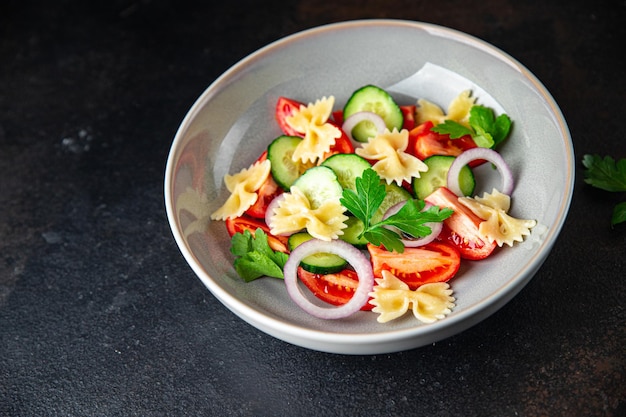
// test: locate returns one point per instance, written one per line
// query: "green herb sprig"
(366, 199)
(486, 129)
(254, 256)
(609, 175)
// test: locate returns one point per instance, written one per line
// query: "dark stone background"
(101, 316)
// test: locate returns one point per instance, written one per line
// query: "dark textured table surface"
(101, 316)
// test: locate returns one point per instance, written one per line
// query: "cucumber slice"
(348, 167)
(395, 195)
(319, 184)
(319, 263)
(284, 170)
(373, 99)
(436, 176)
(352, 232)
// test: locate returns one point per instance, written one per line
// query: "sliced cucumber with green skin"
(395, 194)
(437, 174)
(352, 232)
(284, 170)
(348, 167)
(319, 263)
(319, 184)
(376, 100)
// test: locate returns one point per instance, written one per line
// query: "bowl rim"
(381, 341)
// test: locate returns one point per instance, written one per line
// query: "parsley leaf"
(605, 173)
(609, 175)
(452, 128)
(255, 257)
(369, 195)
(486, 130)
(388, 238)
(410, 219)
(619, 213)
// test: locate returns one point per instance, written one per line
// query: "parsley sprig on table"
(410, 219)
(486, 129)
(609, 175)
(255, 257)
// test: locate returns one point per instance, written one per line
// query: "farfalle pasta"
(392, 162)
(294, 213)
(392, 298)
(243, 187)
(319, 135)
(498, 226)
(458, 110)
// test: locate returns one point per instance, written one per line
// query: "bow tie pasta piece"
(498, 226)
(319, 135)
(458, 110)
(294, 213)
(393, 163)
(243, 187)
(392, 298)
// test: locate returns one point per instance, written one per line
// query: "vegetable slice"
(479, 154)
(348, 167)
(284, 170)
(437, 176)
(319, 263)
(434, 262)
(319, 184)
(352, 255)
(461, 228)
(363, 116)
(335, 289)
(285, 107)
(373, 99)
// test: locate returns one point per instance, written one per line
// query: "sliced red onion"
(474, 154)
(354, 256)
(435, 227)
(358, 117)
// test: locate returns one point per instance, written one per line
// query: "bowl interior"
(232, 122)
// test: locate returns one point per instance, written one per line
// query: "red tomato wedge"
(461, 229)
(426, 143)
(336, 289)
(434, 262)
(338, 117)
(342, 145)
(268, 191)
(408, 111)
(284, 108)
(239, 224)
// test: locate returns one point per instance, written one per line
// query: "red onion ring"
(474, 154)
(354, 256)
(358, 117)
(435, 227)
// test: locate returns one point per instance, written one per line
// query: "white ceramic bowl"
(232, 122)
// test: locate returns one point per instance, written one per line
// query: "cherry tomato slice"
(434, 262)
(461, 228)
(426, 143)
(342, 145)
(336, 289)
(408, 111)
(268, 191)
(285, 108)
